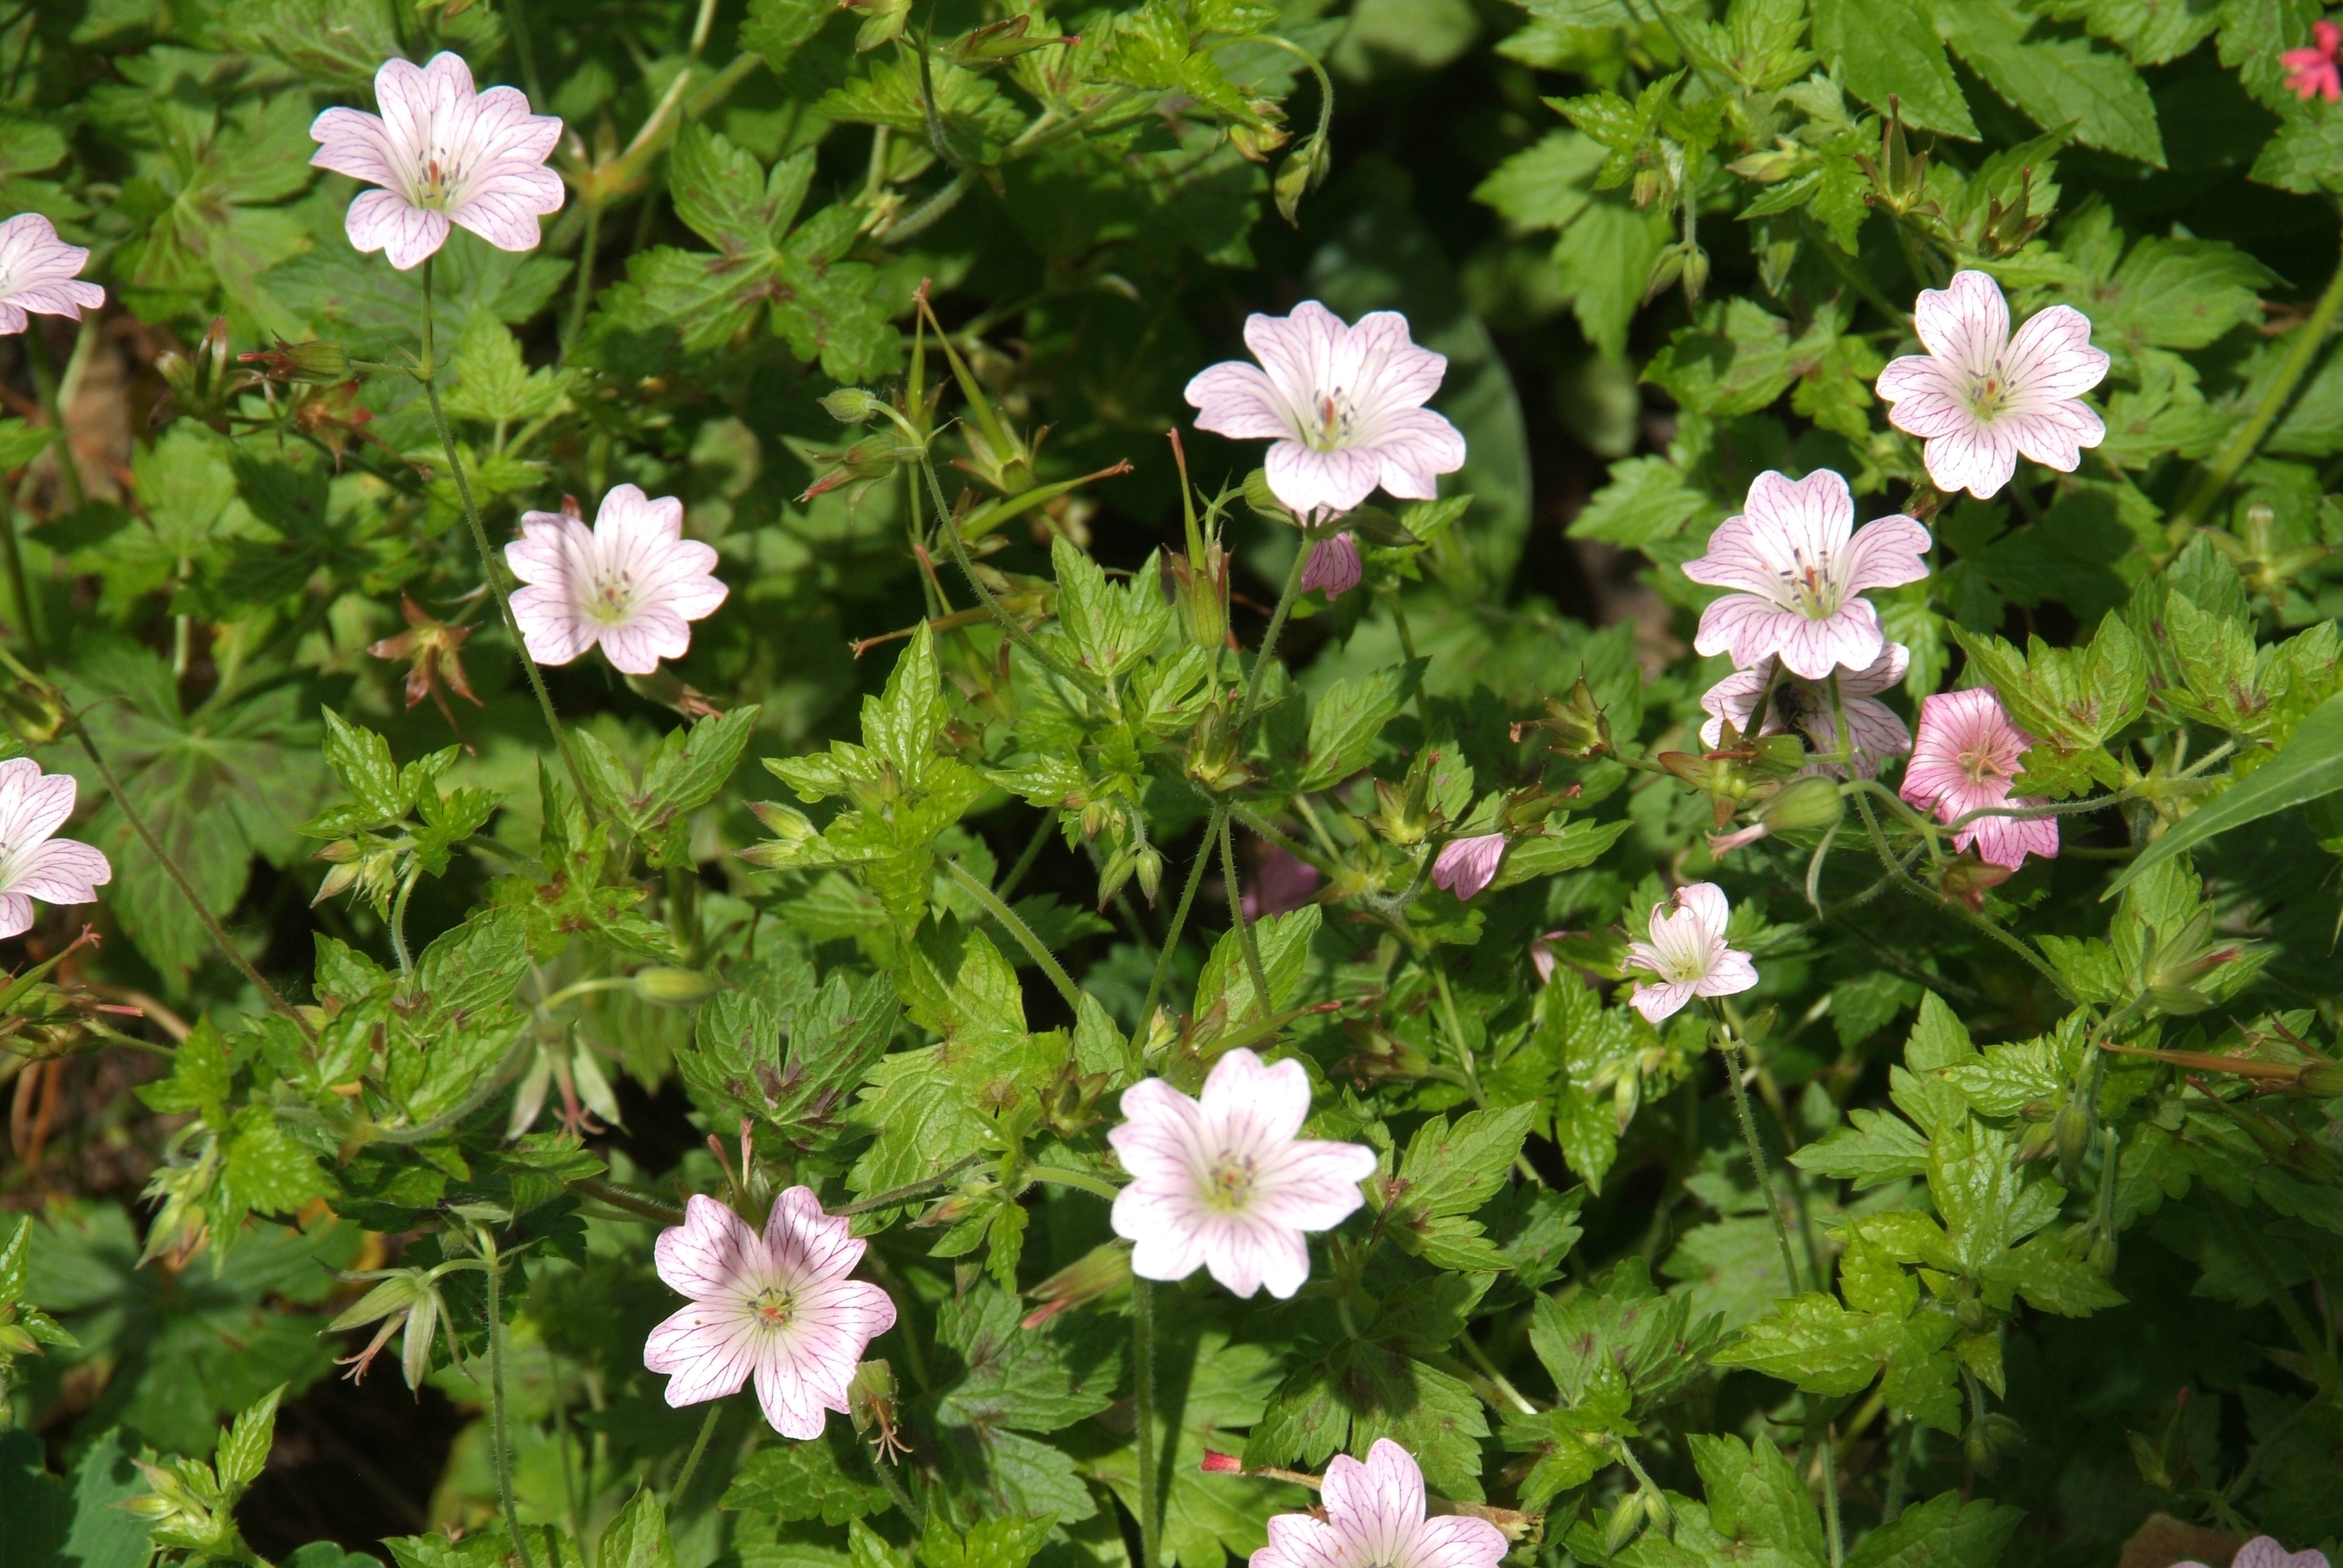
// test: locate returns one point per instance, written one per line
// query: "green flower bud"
(664, 986)
(1810, 802)
(852, 404)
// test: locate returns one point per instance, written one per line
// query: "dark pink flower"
(1465, 866)
(2312, 72)
(1282, 884)
(1963, 761)
(1334, 567)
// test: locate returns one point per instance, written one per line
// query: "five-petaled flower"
(2312, 72)
(777, 1308)
(1344, 405)
(33, 863)
(40, 273)
(1334, 566)
(633, 583)
(1375, 1518)
(1223, 1182)
(1967, 753)
(1980, 398)
(1878, 733)
(1798, 566)
(1465, 866)
(440, 153)
(1688, 954)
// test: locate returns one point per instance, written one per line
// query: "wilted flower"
(1798, 566)
(1283, 883)
(40, 273)
(1334, 566)
(1967, 754)
(1980, 398)
(441, 152)
(777, 1307)
(1878, 733)
(1344, 406)
(1222, 1183)
(2312, 74)
(1688, 954)
(1465, 866)
(633, 584)
(33, 864)
(434, 652)
(1375, 1518)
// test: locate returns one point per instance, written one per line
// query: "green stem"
(1245, 941)
(1456, 1032)
(1732, 1049)
(2308, 341)
(949, 529)
(1142, 1350)
(699, 1446)
(614, 1197)
(399, 924)
(1031, 853)
(909, 1190)
(28, 609)
(902, 1499)
(491, 563)
(1830, 1496)
(499, 1432)
(1081, 1180)
(570, 1505)
(1949, 905)
(1180, 915)
(275, 997)
(1015, 926)
(1269, 638)
(585, 276)
(1899, 1472)
(45, 382)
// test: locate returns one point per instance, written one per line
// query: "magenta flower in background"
(1465, 866)
(633, 583)
(1222, 1183)
(1879, 734)
(2264, 1550)
(40, 273)
(1967, 754)
(1344, 405)
(1797, 565)
(1687, 953)
(2312, 74)
(1375, 1518)
(777, 1308)
(1281, 884)
(33, 862)
(1334, 567)
(441, 152)
(1981, 398)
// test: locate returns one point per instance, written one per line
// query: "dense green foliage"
(937, 839)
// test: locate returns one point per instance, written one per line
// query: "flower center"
(773, 1306)
(612, 601)
(1683, 954)
(436, 185)
(1228, 1184)
(1988, 395)
(1983, 764)
(1810, 588)
(1332, 432)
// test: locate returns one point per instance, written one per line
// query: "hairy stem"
(1012, 922)
(1245, 941)
(699, 1446)
(1180, 914)
(1269, 638)
(1733, 1052)
(2310, 337)
(1143, 1349)
(1951, 906)
(28, 609)
(501, 1433)
(398, 923)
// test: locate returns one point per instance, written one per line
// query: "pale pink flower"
(1375, 1518)
(2264, 1550)
(1334, 566)
(1981, 398)
(1282, 884)
(1965, 756)
(1878, 733)
(1223, 1183)
(441, 154)
(1344, 406)
(1542, 954)
(41, 272)
(1688, 954)
(1465, 866)
(32, 863)
(633, 584)
(1798, 567)
(2312, 74)
(777, 1307)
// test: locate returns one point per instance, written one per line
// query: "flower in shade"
(1223, 1182)
(1334, 566)
(1283, 883)
(777, 1308)
(1688, 954)
(1465, 866)
(440, 153)
(1805, 705)
(1374, 1517)
(1980, 398)
(1344, 405)
(1963, 761)
(32, 863)
(1797, 566)
(632, 583)
(40, 273)
(2312, 74)
(2264, 1550)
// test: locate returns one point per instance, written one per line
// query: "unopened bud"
(851, 405)
(1101, 1272)
(2073, 1137)
(1304, 171)
(1149, 864)
(2323, 1079)
(320, 363)
(1627, 1522)
(1811, 802)
(1990, 1440)
(663, 985)
(1769, 166)
(1219, 1464)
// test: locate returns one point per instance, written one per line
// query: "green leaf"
(2153, 31)
(244, 1450)
(2308, 766)
(1605, 259)
(1876, 1146)
(1450, 1170)
(1284, 944)
(1547, 186)
(988, 1543)
(492, 383)
(1757, 1501)
(2057, 81)
(1816, 1343)
(1028, 1380)
(1347, 718)
(1647, 500)
(1943, 1530)
(638, 1537)
(1888, 49)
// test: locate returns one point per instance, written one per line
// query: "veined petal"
(1978, 459)
(1305, 480)
(2052, 356)
(1966, 324)
(1887, 552)
(1658, 1003)
(1274, 1100)
(62, 871)
(407, 235)
(1237, 400)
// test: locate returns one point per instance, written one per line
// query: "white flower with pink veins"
(1879, 734)
(633, 583)
(1375, 1518)
(1223, 1182)
(41, 272)
(1967, 756)
(1687, 953)
(1798, 567)
(777, 1308)
(1344, 405)
(1981, 398)
(441, 154)
(33, 862)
